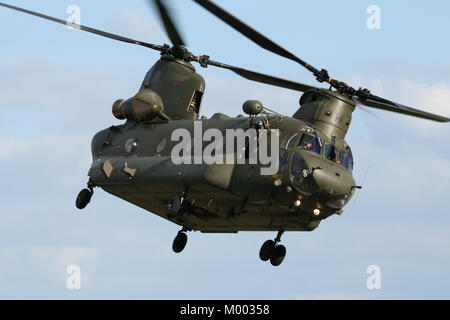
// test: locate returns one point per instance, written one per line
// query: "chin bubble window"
(284, 158)
(310, 143)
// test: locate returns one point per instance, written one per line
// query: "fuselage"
(134, 161)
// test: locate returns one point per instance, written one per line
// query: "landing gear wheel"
(266, 250)
(278, 255)
(184, 212)
(179, 242)
(173, 207)
(83, 198)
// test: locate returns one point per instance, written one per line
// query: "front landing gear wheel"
(267, 250)
(179, 242)
(278, 255)
(83, 198)
(271, 250)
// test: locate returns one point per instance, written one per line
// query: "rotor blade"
(363, 107)
(263, 78)
(252, 34)
(170, 27)
(380, 103)
(84, 28)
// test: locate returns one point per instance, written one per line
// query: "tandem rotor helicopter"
(314, 179)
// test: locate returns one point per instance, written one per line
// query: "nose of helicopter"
(314, 174)
(333, 181)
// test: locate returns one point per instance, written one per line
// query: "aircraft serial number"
(250, 309)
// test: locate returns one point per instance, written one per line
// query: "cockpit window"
(346, 159)
(330, 152)
(310, 143)
(288, 141)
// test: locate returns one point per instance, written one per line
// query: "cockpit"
(311, 142)
(303, 157)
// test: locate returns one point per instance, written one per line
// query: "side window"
(310, 143)
(330, 152)
(346, 159)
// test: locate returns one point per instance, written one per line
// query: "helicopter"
(313, 180)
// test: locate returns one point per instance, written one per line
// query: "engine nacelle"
(145, 105)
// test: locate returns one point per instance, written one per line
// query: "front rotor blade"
(363, 107)
(252, 34)
(84, 28)
(169, 25)
(264, 78)
(380, 103)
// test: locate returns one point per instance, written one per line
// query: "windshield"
(310, 143)
(346, 159)
(288, 141)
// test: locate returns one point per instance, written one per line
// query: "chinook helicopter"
(314, 181)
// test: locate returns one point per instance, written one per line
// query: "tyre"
(179, 242)
(83, 198)
(267, 250)
(184, 212)
(173, 207)
(278, 255)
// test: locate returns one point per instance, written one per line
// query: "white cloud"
(432, 97)
(11, 146)
(52, 262)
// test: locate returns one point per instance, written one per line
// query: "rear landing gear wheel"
(173, 207)
(278, 255)
(266, 251)
(83, 198)
(178, 208)
(184, 212)
(179, 242)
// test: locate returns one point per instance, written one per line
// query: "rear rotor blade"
(380, 103)
(169, 25)
(85, 28)
(267, 79)
(252, 34)
(253, 75)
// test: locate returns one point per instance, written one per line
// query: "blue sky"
(56, 91)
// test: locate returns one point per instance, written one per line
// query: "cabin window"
(346, 159)
(131, 145)
(161, 145)
(329, 152)
(310, 143)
